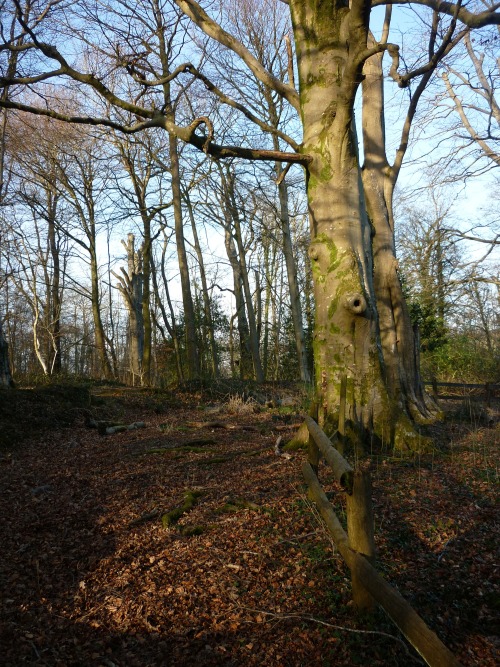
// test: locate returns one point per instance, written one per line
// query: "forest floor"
(94, 571)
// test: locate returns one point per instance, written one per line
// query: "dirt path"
(90, 575)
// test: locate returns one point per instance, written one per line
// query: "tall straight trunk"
(230, 202)
(100, 337)
(291, 272)
(5, 371)
(269, 274)
(130, 286)
(245, 360)
(5, 367)
(278, 314)
(55, 298)
(205, 293)
(112, 332)
(193, 361)
(171, 327)
(397, 337)
(165, 46)
(291, 269)
(146, 299)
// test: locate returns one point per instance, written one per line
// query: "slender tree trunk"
(252, 324)
(205, 293)
(171, 327)
(146, 299)
(187, 298)
(396, 330)
(100, 338)
(5, 372)
(268, 272)
(291, 272)
(245, 360)
(55, 300)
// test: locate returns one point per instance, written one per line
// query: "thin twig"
(306, 617)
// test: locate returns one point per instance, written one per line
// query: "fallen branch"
(343, 628)
(232, 455)
(227, 427)
(173, 516)
(109, 428)
(124, 427)
(148, 516)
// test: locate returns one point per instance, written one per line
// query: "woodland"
(219, 221)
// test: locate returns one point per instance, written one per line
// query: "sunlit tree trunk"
(329, 39)
(130, 286)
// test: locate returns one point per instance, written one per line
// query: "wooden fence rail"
(488, 390)
(357, 548)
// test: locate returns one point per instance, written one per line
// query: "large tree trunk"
(330, 41)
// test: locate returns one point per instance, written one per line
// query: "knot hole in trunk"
(355, 303)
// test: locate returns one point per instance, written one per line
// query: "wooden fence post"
(360, 533)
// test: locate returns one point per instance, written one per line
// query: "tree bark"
(351, 277)
(329, 38)
(244, 362)
(397, 339)
(130, 286)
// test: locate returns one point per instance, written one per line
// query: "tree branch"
(470, 19)
(193, 10)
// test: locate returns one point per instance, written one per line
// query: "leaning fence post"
(360, 533)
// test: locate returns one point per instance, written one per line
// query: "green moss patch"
(172, 517)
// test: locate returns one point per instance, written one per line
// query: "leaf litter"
(91, 575)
